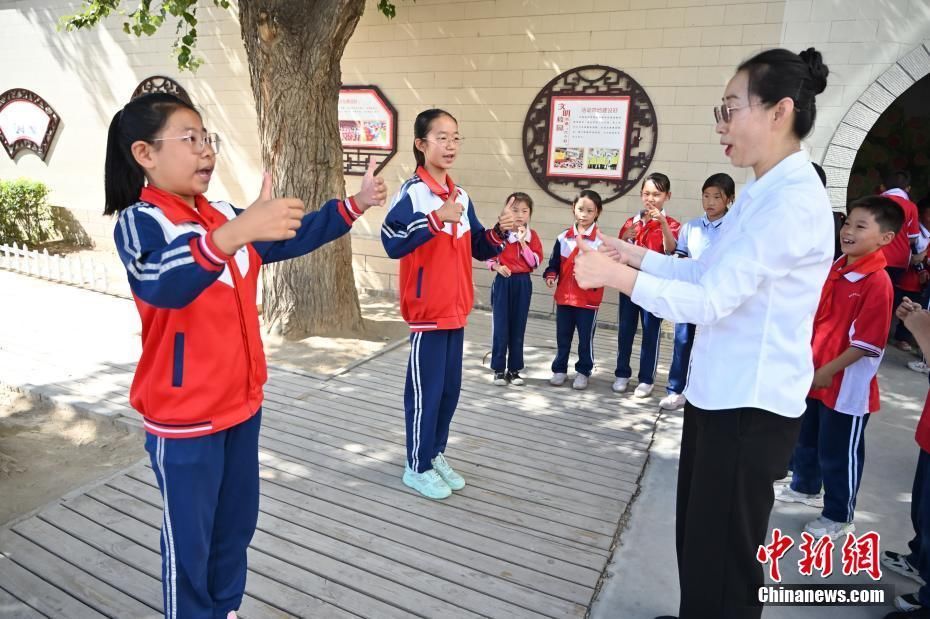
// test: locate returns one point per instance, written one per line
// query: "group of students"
(193, 267)
(576, 308)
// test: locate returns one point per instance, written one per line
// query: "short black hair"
(723, 182)
(661, 181)
(888, 214)
(519, 196)
(898, 179)
(591, 195)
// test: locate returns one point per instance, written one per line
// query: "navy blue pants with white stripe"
(830, 453)
(920, 518)
(209, 488)
(630, 314)
(510, 301)
(434, 380)
(567, 320)
(681, 358)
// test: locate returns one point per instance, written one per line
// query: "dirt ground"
(47, 452)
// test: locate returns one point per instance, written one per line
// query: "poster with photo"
(365, 121)
(588, 136)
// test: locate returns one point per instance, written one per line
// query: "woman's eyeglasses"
(198, 143)
(723, 113)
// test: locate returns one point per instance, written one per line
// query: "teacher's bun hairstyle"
(776, 74)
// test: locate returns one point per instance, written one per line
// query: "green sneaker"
(452, 479)
(428, 483)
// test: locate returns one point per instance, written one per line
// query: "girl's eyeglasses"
(198, 143)
(723, 113)
(446, 141)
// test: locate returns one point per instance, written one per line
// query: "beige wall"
(484, 61)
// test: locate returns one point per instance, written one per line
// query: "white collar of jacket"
(512, 236)
(716, 224)
(783, 168)
(897, 192)
(590, 233)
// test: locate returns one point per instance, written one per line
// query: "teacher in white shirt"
(753, 296)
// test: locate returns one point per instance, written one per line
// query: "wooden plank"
(13, 608)
(146, 538)
(302, 452)
(129, 581)
(39, 594)
(386, 459)
(478, 475)
(277, 573)
(387, 538)
(87, 588)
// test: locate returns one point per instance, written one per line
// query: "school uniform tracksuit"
(436, 297)
(576, 308)
(198, 384)
(854, 311)
(649, 235)
(510, 301)
(919, 557)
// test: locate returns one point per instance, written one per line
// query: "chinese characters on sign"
(365, 121)
(588, 136)
(858, 554)
(26, 122)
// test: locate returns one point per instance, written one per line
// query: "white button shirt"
(697, 235)
(753, 293)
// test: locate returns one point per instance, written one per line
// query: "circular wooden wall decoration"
(160, 83)
(592, 127)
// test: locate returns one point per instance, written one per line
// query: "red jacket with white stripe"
(203, 366)
(515, 258)
(562, 267)
(436, 290)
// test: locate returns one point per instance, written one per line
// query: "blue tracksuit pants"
(567, 320)
(209, 489)
(510, 302)
(681, 358)
(431, 393)
(830, 452)
(630, 314)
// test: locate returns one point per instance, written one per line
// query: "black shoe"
(516, 379)
(500, 379)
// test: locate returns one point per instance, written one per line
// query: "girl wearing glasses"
(654, 230)
(193, 269)
(432, 228)
(752, 295)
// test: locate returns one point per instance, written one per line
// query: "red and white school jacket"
(854, 311)
(517, 259)
(203, 366)
(562, 266)
(436, 290)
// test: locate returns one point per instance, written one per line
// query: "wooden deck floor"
(550, 472)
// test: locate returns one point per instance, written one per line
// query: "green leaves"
(146, 20)
(25, 216)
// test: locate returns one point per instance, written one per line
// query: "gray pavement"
(642, 580)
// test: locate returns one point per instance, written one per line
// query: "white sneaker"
(787, 495)
(620, 385)
(785, 481)
(919, 366)
(672, 402)
(824, 526)
(558, 379)
(581, 382)
(643, 390)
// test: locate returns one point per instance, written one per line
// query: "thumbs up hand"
(373, 191)
(592, 268)
(267, 219)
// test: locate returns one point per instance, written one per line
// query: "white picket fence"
(75, 270)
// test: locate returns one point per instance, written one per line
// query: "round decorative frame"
(355, 158)
(160, 83)
(592, 81)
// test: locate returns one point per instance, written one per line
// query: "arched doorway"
(869, 111)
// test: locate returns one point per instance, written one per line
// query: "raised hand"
(593, 269)
(506, 219)
(266, 219)
(373, 191)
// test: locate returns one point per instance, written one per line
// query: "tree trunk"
(294, 49)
